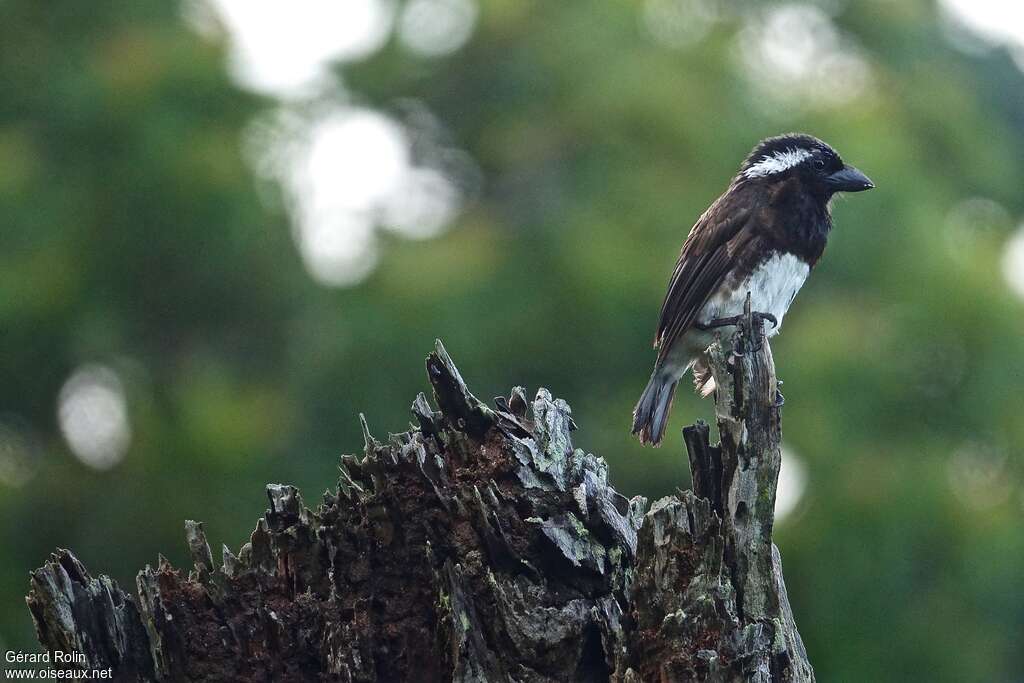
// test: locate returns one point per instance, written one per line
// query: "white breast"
(772, 287)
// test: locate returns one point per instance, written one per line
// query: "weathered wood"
(709, 595)
(481, 545)
(73, 612)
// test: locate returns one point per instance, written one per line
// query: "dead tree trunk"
(708, 595)
(478, 546)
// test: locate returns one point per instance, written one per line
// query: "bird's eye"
(819, 163)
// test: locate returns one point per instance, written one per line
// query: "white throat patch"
(777, 162)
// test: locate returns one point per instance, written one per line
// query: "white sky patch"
(433, 28)
(792, 483)
(423, 206)
(92, 411)
(356, 159)
(353, 161)
(1013, 263)
(777, 162)
(346, 173)
(286, 48)
(339, 249)
(794, 56)
(999, 22)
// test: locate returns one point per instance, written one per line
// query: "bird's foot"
(780, 400)
(751, 324)
(760, 319)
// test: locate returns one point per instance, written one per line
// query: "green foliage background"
(134, 234)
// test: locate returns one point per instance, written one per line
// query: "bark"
(480, 545)
(708, 594)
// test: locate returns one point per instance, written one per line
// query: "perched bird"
(762, 236)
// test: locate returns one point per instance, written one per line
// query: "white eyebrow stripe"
(777, 163)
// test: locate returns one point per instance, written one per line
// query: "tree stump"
(480, 545)
(708, 594)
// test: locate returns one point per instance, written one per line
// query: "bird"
(763, 235)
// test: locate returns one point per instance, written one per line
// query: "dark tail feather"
(651, 413)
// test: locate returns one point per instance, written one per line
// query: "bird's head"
(815, 164)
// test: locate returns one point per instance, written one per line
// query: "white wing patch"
(777, 162)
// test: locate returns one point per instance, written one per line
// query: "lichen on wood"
(709, 597)
(480, 545)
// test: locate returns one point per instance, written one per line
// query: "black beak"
(848, 179)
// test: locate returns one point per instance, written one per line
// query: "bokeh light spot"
(432, 28)
(347, 172)
(1013, 263)
(355, 159)
(995, 20)
(794, 56)
(285, 48)
(423, 205)
(679, 23)
(972, 221)
(338, 249)
(792, 483)
(92, 412)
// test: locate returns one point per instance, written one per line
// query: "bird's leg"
(718, 322)
(756, 316)
(747, 320)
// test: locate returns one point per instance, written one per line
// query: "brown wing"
(722, 233)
